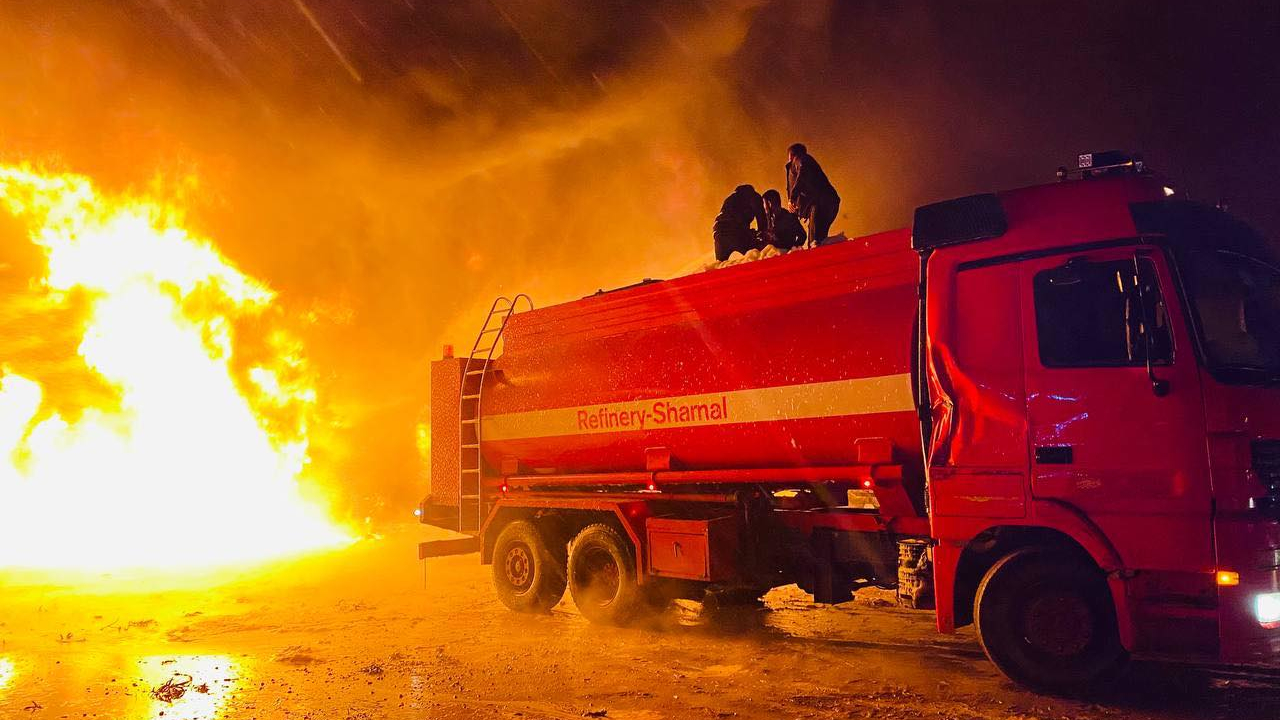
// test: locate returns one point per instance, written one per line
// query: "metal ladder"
(469, 462)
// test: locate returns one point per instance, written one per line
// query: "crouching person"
(782, 229)
(732, 230)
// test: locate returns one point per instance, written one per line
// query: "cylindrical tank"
(782, 362)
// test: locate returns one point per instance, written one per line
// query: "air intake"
(962, 220)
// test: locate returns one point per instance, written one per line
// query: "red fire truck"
(1052, 412)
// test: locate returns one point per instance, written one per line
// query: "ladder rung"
(469, 446)
(471, 397)
(477, 372)
(472, 422)
(470, 470)
(486, 331)
(470, 497)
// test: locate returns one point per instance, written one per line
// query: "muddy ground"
(364, 633)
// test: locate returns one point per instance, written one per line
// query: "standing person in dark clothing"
(810, 193)
(781, 228)
(732, 230)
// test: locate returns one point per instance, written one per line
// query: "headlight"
(1267, 608)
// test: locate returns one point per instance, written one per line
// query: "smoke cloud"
(389, 167)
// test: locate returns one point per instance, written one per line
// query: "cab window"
(1101, 314)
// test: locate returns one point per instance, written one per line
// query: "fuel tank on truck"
(778, 363)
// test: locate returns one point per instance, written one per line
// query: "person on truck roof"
(782, 228)
(811, 195)
(732, 229)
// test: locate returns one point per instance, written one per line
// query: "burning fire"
(195, 463)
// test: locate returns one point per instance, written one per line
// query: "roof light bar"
(1110, 162)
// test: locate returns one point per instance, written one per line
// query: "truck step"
(452, 546)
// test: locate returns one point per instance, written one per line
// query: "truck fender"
(1048, 516)
(1071, 520)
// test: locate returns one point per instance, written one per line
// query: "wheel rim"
(598, 576)
(1058, 623)
(518, 566)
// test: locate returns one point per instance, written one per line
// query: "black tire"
(602, 577)
(526, 574)
(1047, 621)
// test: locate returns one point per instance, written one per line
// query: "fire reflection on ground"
(7, 671)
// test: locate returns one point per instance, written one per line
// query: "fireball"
(188, 463)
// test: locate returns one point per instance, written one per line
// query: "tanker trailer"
(729, 431)
(999, 412)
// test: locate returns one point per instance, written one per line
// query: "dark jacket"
(732, 229)
(782, 230)
(808, 186)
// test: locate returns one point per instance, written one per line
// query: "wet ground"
(364, 633)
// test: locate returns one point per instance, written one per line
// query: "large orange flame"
(185, 470)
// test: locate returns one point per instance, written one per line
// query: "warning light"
(653, 487)
(448, 351)
(503, 488)
(1227, 578)
(417, 512)
(1169, 192)
(866, 484)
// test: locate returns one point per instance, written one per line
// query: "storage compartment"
(692, 549)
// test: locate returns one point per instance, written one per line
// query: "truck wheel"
(602, 576)
(525, 573)
(1047, 621)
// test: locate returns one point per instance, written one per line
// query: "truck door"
(1114, 437)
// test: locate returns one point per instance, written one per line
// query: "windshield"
(1232, 278)
(1236, 299)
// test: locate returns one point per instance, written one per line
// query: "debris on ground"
(33, 707)
(372, 669)
(173, 688)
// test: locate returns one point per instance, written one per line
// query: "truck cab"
(1102, 382)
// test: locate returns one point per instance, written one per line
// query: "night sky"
(390, 166)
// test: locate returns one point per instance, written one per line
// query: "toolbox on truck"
(692, 549)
